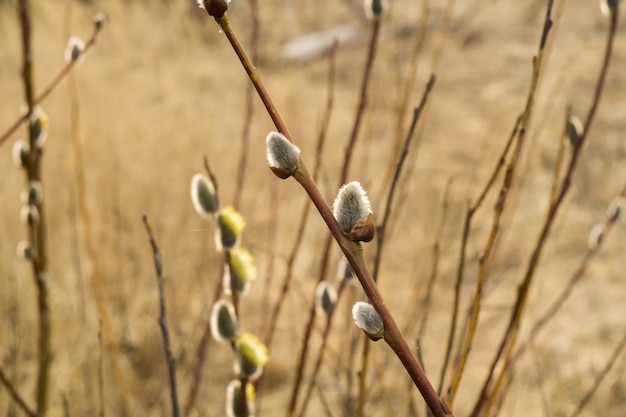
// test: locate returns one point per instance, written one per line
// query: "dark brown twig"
(169, 358)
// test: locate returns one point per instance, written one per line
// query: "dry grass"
(162, 88)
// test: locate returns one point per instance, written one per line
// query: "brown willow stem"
(471, 210)
(511, 333)
(299, 236)
(169, 358)
(254, 75)
(556, 305)
(592, 390)
(500, 204)
(52, 85)
(36, 228)
(362, 104)
(351, 250)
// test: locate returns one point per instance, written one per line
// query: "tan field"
(162, 88)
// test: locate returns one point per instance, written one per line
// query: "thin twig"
(299, 235)
(471, 210)
(352, 250)
(578, 274)
(362, 104)
(499, 207)
(52, 85)
(15, 395)
(596, 384)
(510, 336)
(169, 358)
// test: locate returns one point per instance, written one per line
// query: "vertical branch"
(500, 204)
(36, 229)
(169, 358)
(511, 333)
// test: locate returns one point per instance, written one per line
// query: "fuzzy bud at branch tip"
(282, 156)
(215, 8)
(574, 130)
(203, 195)
(74, 49)
(367, 319)
(609, 7)
(375, 9)
(352, 211)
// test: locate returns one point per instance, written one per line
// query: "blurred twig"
(169, 358)
(52, 85)
(15, 395)
(592, 390)
(510, 336)
(499, 207)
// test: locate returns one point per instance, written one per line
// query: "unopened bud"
(38, 126)
(99, 19)
(375, 9)
(608, 7)
(223, 321)
(203, 195)
(21, 150)
(344, 270)
(234, 400)
(367, 319)
(33, 195)
(215, 8)
(24, 249)
(574, 130)
(282, 156)
(230, 226)
(74, 49)
(241, 273)
(30, 215)
(325, 298)
(353, 213)
(616, 206)
(596, 235)
(252, 355)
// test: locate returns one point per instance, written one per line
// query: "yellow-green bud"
(242, 270)
(252, 355)
(234, 399)
(230, 226)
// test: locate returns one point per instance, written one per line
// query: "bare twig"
(15, 395)
(499, 207)
(596, 384)
(511, 333)
(169, 358)
(51, 86)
